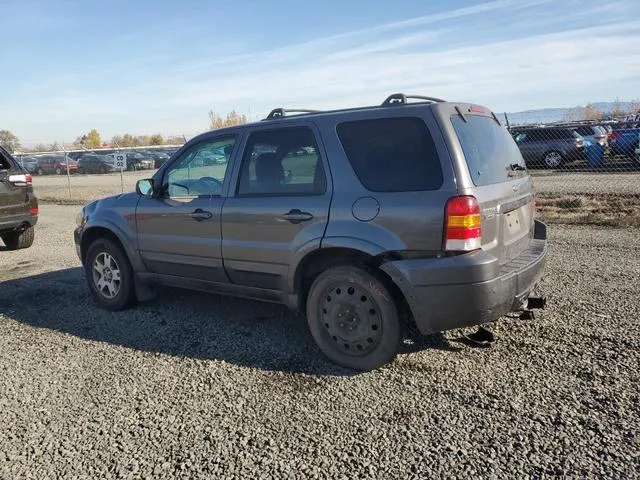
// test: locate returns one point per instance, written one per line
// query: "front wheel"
(109, 275)
(552, 159)
(353, 318)
(58, 171)
(19, 240)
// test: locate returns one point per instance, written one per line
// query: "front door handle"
(198, 215)
(296, 216)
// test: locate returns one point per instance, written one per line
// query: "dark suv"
(18, 204)
(550, 147)
(365, 219)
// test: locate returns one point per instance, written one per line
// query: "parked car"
(18, 204)
(411, 210)
(139, 161)
(56, 164)
(159, 157)
(624, 142)
(29, 163)
(96, 164)
(594, 134)
(550, 147)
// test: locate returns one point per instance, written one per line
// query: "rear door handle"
(198, 215)
(296, 216)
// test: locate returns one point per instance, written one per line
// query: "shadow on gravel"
(179, 323)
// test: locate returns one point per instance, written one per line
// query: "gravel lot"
(191, 385)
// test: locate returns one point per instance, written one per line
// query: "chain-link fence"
(584, 172)
(77, 176)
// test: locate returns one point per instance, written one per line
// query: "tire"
(19, 240)
(353, 318)
(40, 171)
(103, 169)
(553, 159)
(58, 171)
(110, 294)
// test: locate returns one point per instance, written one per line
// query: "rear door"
(13, 198)
(280, 205)
(499, 181)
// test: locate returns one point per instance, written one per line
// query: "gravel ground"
(192, 386)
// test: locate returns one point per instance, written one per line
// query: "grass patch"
(603, 209)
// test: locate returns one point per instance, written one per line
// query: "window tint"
(392, 154)
(199, 171)
(282, 162)
(490, 152)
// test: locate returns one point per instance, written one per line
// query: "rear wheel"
(353, 318)
(19, 240)
(552, 159)
(40, 171)
(58, 171)
(109, 275)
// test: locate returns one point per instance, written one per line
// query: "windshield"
(490, 151)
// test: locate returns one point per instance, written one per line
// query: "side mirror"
(145, 187)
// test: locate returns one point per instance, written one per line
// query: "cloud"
(499, 53)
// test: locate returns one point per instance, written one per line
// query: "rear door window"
(392, 154)
(490, 151)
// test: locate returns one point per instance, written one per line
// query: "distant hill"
(548, 115)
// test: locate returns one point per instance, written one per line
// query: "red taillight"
(462, 230)
(33, 211)
(476, 109)
(29, 179)
(614, 136)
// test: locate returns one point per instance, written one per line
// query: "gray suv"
(368, 220)
(550, 147)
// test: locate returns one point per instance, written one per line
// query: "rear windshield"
(392, 154)
(491, 153)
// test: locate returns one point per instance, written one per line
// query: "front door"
(179, 231)
(280, 204)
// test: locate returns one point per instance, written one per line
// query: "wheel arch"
(320, 260)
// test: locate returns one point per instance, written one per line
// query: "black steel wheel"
(353, 318)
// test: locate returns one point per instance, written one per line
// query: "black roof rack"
(401, 99)
(282, 112)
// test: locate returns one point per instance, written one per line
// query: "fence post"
(66, 162)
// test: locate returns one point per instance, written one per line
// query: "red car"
(56, 164)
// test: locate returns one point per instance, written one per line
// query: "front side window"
(282, 161)
(201, 170)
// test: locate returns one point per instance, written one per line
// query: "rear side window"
(392, 154)
(490, 151)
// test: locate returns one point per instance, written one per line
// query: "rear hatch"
(493, 171)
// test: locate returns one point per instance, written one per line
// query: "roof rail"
(282, 112)
(401, 99)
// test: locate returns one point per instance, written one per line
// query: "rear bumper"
(471, 289)
(17, 222)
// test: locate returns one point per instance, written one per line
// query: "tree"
(634, 107)
(235, 118)
(591, 113)
(9, 141)
(93, 139)
(573, 114)
(617, 111)
(215, 121)
(232, 118)
(156, 139)
(127, 140)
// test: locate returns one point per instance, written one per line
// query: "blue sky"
(143, 66)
